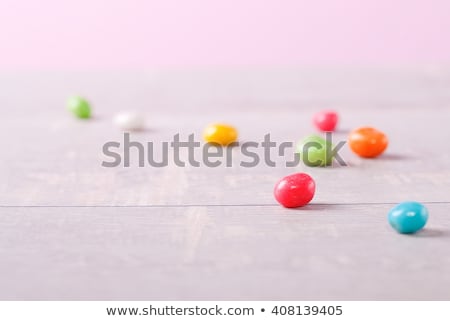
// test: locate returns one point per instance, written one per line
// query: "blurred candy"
(129, 121)
(367, 142)
(79, 106)
(295, 190)
(315, 151)
(326, 120)
(221, 134)
(408, 217)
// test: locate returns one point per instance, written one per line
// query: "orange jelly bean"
(221, 134)
(367, 142)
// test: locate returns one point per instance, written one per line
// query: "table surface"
(74, 230)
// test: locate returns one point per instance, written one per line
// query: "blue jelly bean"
(408, 217)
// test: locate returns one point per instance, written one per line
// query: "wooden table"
(72, 229)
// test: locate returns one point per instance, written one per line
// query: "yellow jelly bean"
(221, 134)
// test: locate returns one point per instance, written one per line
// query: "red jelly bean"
(326, 120)
(295, 190)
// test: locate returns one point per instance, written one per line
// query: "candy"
(408, 217)
(315, 151)
(129, 121)
(79, 106)
(326, 120)
(367, 142)
(295, 190)
(221, 134)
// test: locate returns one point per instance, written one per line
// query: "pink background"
(96, 34)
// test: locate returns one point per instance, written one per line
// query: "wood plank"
(221, 253)
(58, 162)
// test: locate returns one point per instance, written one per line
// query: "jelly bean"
(129, 121)
(367, 142)
(408, 217)
(326, 120)
(315, 151)
(79, 106)
(295, 190)
(221, 134)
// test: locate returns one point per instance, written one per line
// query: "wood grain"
(72, 229)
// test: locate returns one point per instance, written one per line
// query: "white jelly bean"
(129, 121)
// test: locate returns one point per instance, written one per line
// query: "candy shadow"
(92, 118)
(341, 131)
(146, 130)
(432, 232)
(315, 207)
(141, 131)
(395, 157)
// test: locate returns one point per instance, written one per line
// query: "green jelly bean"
(315, 151)
(79, 106)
